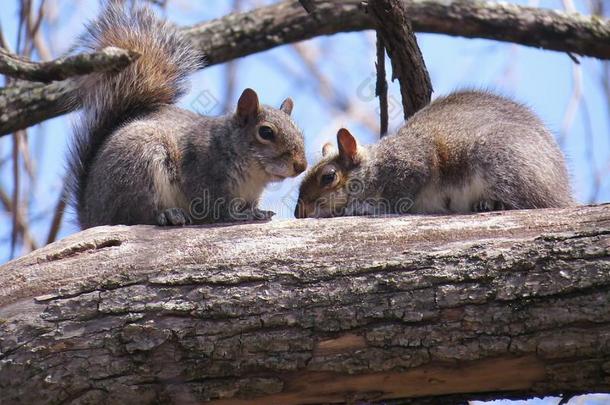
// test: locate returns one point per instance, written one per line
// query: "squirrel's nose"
(300, 166)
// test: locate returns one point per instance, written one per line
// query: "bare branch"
(287, 22)
(239, 35)
(27, 104)
(408, 64)
(381, 87)
(16, 192)
(22, 224)
(58, 214)
(342, 107)
(107, 59)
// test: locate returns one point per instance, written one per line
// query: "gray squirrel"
(139, 159)
(468, 152)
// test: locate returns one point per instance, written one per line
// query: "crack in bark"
(85, 247)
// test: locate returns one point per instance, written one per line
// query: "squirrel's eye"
(266, 133)
(328, 178)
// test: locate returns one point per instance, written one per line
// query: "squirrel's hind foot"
(173, 217)
(486, 205)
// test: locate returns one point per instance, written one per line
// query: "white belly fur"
(250, 189)
(435, 199)
(169, 194)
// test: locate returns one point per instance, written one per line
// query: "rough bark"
(107, 59)
(313, 311)
(408, 65)
(239, 35)
(27, 104)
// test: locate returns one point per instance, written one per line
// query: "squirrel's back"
(482, 143)
(113, 99)
(470, 151)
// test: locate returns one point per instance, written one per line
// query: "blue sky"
(541, 79)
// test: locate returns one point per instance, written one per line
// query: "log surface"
(312, 311)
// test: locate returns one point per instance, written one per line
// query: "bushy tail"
(111, 99)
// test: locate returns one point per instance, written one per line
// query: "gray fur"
(485, 135)
(138, 159)
(470, 151)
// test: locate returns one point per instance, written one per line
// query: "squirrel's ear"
(248, 106)
(287, 106)
(348, 147)
(327, 149)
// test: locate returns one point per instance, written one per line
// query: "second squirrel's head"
(328, 186)
(276, 143)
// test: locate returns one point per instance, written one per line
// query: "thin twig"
(381, 87)
(326, 89)
(22, 18)
(27, 236)
(16, 190)
(24, 148)
(3, 42)
(37, 40)
(58, 214)
(590, 153)
(573, 104)
(408, 65)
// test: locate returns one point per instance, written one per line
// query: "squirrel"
(137, 158)
(470, 151)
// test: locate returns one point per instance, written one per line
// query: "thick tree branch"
(288, 22)
(26, 104)
(107, 59)
(407, 61)
(239, 35)
(509, 304)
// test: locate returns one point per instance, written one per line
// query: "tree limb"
(407, 61)
(509, 304)
(26, 104)
(107, 59)
(239, 35)
(286, 22)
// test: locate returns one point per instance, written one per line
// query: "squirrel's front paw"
(263, 215)
(173, 217)
(254, 214)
